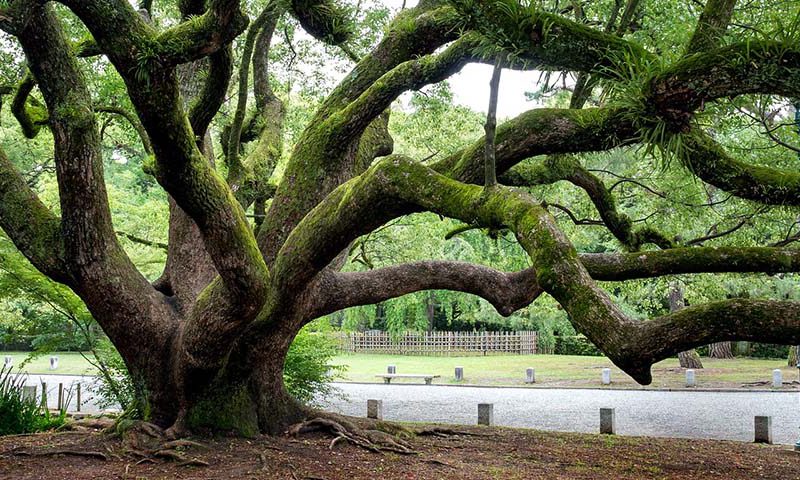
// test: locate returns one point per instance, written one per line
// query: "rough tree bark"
(208, 340)
(721, 350)
(689, 358)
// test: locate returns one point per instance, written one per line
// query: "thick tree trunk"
(250, 396)
(720, 350)
(689, 358)
(793, 357)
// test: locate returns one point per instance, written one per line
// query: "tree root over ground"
(74, 453)
(148, 442)
(375, 436)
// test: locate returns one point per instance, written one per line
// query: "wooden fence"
(439, 343)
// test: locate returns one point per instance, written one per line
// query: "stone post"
(375, 409)
(530, 375)
(777, 378)
(391, 369)
(8, 361)
(29, 393)
(53, 363)
(763, 430)
(606, 377)
(608, 421)
(690, 379)
(486, 414)
(459, 374)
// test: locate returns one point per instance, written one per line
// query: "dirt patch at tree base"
(488, 453)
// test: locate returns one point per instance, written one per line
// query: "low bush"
(576, 345)
(307, 371)
(18, 415)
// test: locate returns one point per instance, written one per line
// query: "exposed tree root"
(75, 453)
(344, 430)
(446, 432)
(148, 442)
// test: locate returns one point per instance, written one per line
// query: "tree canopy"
(270, 155)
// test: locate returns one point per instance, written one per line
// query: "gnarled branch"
(507, 292)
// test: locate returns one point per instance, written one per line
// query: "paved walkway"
(716, 415)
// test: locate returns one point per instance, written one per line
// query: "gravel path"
(713, 415)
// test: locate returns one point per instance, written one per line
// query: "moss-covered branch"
(235, 169)
(28, 111)
(249, 177)
(545, 40)
(33, 228)
(200, 36)
(212, 96)
(397, 185)
(133, 120)
(319, 162)
(507, 292)
(350, 122)
(711, 25)
(558, 167)
(754, 320)
(707, 159)
(100, 272)
(325, 20)
(762, 66)
(676, 261)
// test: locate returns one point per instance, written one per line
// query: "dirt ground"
(490, 453)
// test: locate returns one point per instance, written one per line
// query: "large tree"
(207, 340)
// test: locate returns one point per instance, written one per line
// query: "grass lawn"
(69, 363)
(561, 370)
(551, 370)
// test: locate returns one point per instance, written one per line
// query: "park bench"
(387, 377)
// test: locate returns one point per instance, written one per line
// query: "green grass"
(559, 370)
(551, 370)
(69, 363)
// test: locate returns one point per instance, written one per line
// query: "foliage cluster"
(18, 415)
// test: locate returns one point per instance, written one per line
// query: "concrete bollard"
(608, 421)
(459, 374)
(763, 430)
(777, 378)
(391, 369)
(8, 362)
(690, 379)
(486, 414)
(606, 377)
(53, 363)
(375, 409)
(530, 375)
(29, 393)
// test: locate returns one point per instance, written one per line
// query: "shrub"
(307, 371)
(765, 350)
(22, 416)
(576, 345)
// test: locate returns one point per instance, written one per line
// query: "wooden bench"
(387, 377)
